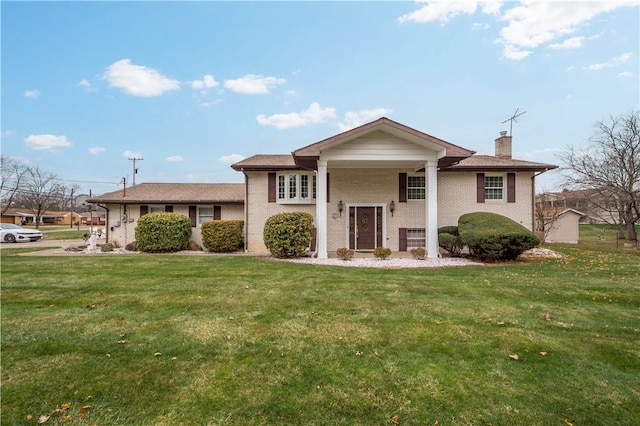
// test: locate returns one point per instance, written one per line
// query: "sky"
(189, 88)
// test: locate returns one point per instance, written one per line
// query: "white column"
(321, 210)
(431, 174)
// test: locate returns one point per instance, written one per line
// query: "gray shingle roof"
(178, 193)
(488, 162)
(266, 162)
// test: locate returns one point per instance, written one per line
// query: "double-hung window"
(296, 187)
(416, 238)
(494, 187)
(415, 188)
(205, 213)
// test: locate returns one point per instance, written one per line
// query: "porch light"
(340, 207)
(392, 207)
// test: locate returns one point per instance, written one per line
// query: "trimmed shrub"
(288, 234)
(106, 247)
(449, 240)
(131, 246)
(221, 236)
(344, 253)
(382, 253)
(162, 232)
(419, 253)
(491, 236)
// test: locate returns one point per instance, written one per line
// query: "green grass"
(188, 339)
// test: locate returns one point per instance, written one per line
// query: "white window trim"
(504, 188)
(421, 200)
(311, 179)
(198, 215)
(157, 208)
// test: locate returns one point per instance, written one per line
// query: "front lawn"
(203, 339)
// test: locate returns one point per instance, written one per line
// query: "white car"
(10, 233)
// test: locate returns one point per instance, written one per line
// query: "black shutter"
(511, 187)
(402, 188)
(271, 188)
(480, 187)
(217, 212)
(402, 239)
(193, 215)
(144, 210)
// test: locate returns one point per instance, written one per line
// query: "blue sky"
(192, 87)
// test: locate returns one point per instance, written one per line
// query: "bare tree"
(41, 191)
(12, 177)
(610, 166)
(546, 213)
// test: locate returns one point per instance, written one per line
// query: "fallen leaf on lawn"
(438, 322)
(513, 357)
(394, 420)
(65, 418)
(567, 422)
(500, 323)
(90, 306)
(42, 419)
(108, 355)
(121, 342)
(29, 417)
(66, 406)
(157, 354)
(547, 316)
(358, 353)
(543, 353)
(174, 358)
(84, 409)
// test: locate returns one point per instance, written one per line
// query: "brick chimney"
(503, 146)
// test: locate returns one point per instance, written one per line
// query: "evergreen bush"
(288, 234)
(220, 236)
(491, 236)
(162, 232)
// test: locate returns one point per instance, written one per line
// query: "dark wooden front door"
(366, 228)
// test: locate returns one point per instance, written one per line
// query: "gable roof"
(489, 163)
(306, 156)
(178, 193)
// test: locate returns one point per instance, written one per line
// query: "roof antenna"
(513, 118)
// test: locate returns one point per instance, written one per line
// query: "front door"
(363, 235)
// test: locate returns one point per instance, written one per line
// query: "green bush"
(106, 247)
(221, 236)
(162, 232)
(382, 253)
(288, 234)
(453, 230)
(452, 243)
(491, 236)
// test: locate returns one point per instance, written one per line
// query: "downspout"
(246, 210)
(533, 199)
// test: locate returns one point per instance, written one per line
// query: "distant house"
(198, 201)
(26, 217)
(595, 205)
(379, 184)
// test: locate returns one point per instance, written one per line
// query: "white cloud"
(96, 150)
(312, 115)
(31, 94)
(207, 82)
(356, 118)
(252, 84)
(132, 154)
(174, 158)
(614, 62)
(47, 142)
(138, 80)
(8, 133)
(512, 52)
(626, 74)
(232, 158)
(479, 26)
(528, 25)
(86, 85)
(570, 43)
(444, 11)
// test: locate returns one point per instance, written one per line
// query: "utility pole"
(135, 171)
